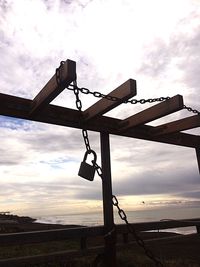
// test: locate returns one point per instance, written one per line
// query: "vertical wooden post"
(83, 242)
(110, 249)
(198, 157)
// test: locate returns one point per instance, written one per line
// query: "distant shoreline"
(10, 223)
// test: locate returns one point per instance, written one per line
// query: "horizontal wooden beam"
(121, 93)
(22, 238)
(19, 108)
(162, 109)
(50, 235)
(67, 74)
(178, 125)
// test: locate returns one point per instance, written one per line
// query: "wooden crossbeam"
(162, 109)
(52, 89)
(19, 108)
(121, 93)
(177, 126)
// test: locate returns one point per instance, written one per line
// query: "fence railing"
(81, 234)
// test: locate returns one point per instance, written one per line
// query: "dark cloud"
(185, 186)
(54, 191)
(4, 5)
(158, 182)
(49, 4)
(67, 2)
(63, 140)
(92, 194)
(27, 143)
(11, 158)
(192, 194)
(80, 3)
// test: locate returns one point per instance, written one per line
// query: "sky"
(155, 42)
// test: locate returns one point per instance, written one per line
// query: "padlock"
(86, 170)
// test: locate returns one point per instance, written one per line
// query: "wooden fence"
(82, 234)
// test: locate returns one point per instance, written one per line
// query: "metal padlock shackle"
(86, 170)
(89, 151)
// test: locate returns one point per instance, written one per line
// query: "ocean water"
(96, 218)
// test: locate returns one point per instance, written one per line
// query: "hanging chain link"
(76, 92)
(132, 230)
(79, 107)
(84, 131)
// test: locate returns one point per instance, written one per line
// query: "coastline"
(10, 223)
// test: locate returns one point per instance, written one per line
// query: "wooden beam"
(181, 139)
(19, 108)
(198, 157)
(122, 93)
(177, 126)
(52, 89)
(22, 238)
(162, 109)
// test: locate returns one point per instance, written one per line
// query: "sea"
(159, 214)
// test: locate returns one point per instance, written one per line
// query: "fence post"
(125, 238)
(198, 157)
(83, 243)
(110, 249)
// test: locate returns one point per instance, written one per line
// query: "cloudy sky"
(154, 42)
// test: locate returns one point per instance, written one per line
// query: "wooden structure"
(39, 109)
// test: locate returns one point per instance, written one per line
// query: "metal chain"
(84, 131)
(149, 100)
(132, 230)
(114, 98)
(130, 101)
(191, 110)
(79, 107)
(130, 227)
(100, 257)
(76, 92)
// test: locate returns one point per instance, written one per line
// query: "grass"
(132, 257)
(36, 249)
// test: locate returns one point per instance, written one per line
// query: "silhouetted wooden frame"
(39, 109)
